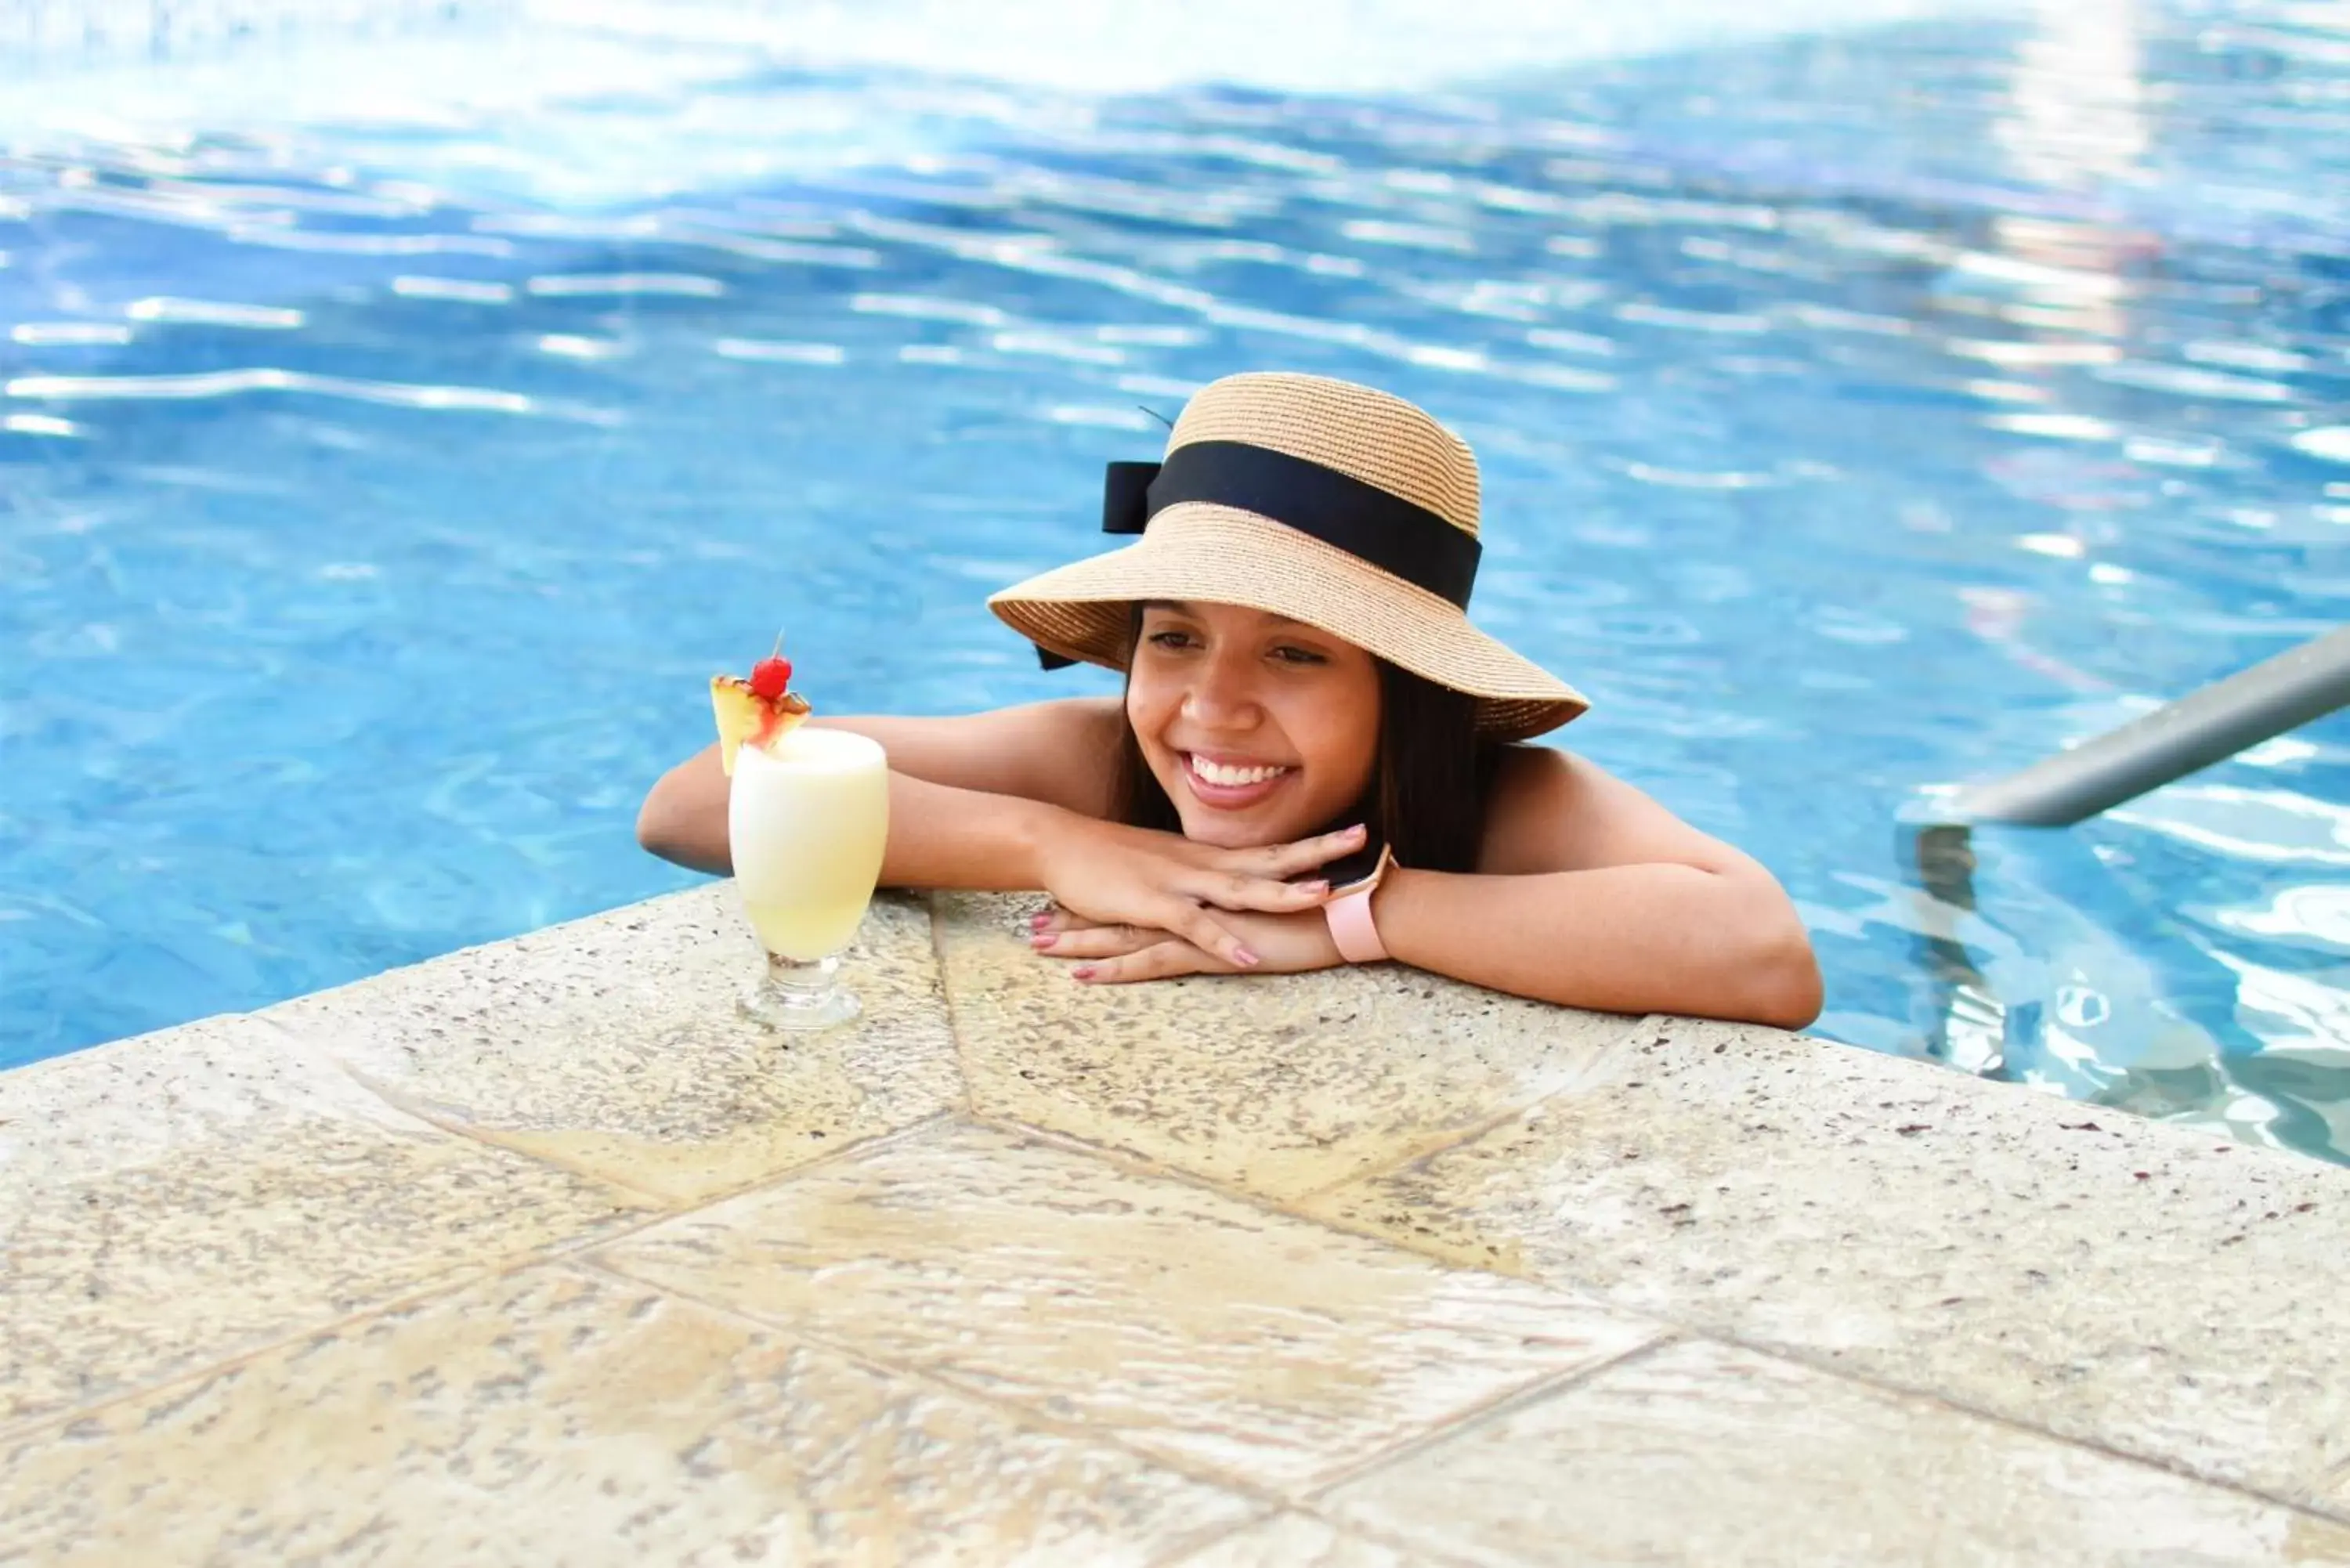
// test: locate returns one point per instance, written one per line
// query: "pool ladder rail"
(2208, 725)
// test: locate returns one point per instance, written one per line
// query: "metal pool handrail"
(2204, 727)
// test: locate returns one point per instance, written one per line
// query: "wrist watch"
(1349, 913)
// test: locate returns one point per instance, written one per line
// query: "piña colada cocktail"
(807, 815)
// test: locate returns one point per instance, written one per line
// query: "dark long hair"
(1427, 790)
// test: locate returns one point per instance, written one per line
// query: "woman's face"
(1260, 730)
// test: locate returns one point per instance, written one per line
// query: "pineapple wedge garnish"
(747, 718)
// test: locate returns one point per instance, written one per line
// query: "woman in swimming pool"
(1316, 759)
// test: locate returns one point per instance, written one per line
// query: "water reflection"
(2075, 111)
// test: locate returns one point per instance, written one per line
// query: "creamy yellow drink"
(807, 815)
(807, 819)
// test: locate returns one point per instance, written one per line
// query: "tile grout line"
(1592, 1295)
(1601, 1296)
(552, 1253)
(1660, 1331)
(32, 1426)
(1491, 1408)
(968, 1108)
(1581, 1080)
(952, 1009)
(1019, 1413)
(1143, 1165)
(1304, 1499)
(575, 1245)
(1137, 1163)
(1436, 1143)
(416, 1111)
(662, 1209)
(666, 1206)
(1817, 1362)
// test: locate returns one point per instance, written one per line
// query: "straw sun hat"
(1330, 503)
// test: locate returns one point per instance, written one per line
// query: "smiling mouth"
(1230, 784)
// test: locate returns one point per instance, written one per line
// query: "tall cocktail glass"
(807, 819)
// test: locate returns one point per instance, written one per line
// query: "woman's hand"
(1284, 944)
(1111, 876)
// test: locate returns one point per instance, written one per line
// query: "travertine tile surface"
(557, 1417)
(1184, 1323)
(1703, 1454)
(1278, 1085)
(1358, 1269)
(612, 1045)
(169, 1201)
(2070, 1267)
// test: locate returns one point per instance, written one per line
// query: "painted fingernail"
(1044, 918)
(1247, 958)
(1082, 971)
(1315, 889)
(1044, 940)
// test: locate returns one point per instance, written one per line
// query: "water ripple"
(601, 284)
(452, 288)
(230, 383)
(213, 313)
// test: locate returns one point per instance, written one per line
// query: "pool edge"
(2143, 1293)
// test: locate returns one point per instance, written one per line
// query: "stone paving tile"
(174, 1200)
(1188, 1323)
(1702, 1453)
(612, 1046)
(1275, 1084)
(555, 1416)
(2070, 1267)
(1300, 1540)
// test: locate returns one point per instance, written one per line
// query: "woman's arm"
(1592, 895)
(1620, 938)
(1588, 894)
(977, 777)
(1015, 799)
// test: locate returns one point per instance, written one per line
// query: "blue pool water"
(396, 433)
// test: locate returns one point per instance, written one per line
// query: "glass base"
(797, 996)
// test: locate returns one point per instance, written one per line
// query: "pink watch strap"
(1352, 928)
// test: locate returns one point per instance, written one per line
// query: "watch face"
(1357, 868)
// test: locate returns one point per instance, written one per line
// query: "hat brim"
(1208, 554)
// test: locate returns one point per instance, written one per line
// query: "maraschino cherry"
(771, 676)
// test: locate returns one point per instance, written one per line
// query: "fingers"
(1161, 960)
(1285, 860)
(1096, 941)
(1239, 890)
(1195, 926)
(1053, 931)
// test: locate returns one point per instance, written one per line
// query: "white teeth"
(1233, 777)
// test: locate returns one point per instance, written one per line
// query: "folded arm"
(1015, 799)
(1589, 894)
(1592, 895)
(967, 796)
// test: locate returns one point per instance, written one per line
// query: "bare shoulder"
(1551, 810)
(1065, 752)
